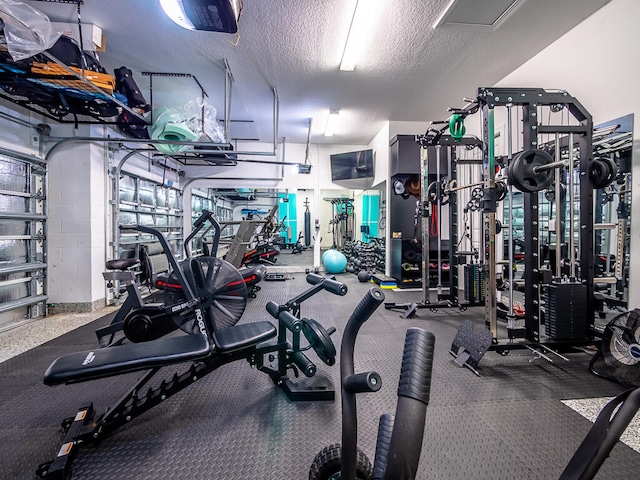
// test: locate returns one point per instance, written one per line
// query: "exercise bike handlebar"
(400, 438)
(206, 215)
(329, 284)
(188, 292)
(361, 314)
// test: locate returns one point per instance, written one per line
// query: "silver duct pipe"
(19, 121)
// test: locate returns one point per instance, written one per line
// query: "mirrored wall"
(611, 177)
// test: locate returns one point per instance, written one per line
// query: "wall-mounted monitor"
(353, 169)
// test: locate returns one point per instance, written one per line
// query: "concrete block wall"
(76, 235)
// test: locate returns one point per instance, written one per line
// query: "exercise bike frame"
(399, 439)
(134, 300)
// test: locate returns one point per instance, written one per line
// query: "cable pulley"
(432, 192)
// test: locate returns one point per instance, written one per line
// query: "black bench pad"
(235, 338)
(106, 362)
(121, 263)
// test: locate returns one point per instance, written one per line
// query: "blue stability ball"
(334, 261)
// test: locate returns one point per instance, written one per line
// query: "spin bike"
(204, 345)
(140, 322)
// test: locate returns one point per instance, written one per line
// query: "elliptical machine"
(399, 437)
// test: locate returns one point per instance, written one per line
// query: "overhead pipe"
(228, 84)
(276, 118)
(19, 121)
(61, 141)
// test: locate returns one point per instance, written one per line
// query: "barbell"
(532, 170)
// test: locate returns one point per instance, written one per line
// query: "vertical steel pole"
(438, 221)
(510, 317)
(572, 195)
(424, 180)
(531, 234)
(453, 229)
(489, 218)
(558, 203)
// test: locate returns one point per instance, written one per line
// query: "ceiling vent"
(475, 15)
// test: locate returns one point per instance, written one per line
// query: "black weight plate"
(319, 340)
(501, 191)
(522, 174)
(614, 167)
(601, 172)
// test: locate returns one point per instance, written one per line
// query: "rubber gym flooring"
(235, 424)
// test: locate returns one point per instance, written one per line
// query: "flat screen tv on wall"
(353, 169)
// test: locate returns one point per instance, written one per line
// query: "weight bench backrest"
(131, 357)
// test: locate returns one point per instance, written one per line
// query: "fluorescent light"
(361, 25)
(332, 119)
(175, 11)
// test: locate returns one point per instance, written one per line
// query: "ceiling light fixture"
(361, 25)
(332, 119)
(210, 15)
(175, 11)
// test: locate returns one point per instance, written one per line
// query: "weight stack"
(474, 285)
(566, 311)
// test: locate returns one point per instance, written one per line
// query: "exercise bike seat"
(121, 263)
(238, 337)
(105, 362)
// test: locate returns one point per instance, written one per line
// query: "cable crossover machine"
(548, 155)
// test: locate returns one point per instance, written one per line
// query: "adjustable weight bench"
(106, 362)
(205, 353)
(203, 350)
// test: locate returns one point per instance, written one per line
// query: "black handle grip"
(413, 396)
(385, 429)
(286, 318)
(202, 218)
(128, 227)
(417, 361)
(362, 382)
(335, 287)
(314, 278)
(273, 308)
(369, 303)
(291, 322)
(304, 364)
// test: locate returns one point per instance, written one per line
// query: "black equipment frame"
(432, 139)
(84, 428)
(530, 99)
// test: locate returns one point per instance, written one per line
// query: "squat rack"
(530, 99)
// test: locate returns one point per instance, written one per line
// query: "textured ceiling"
(411, 72)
